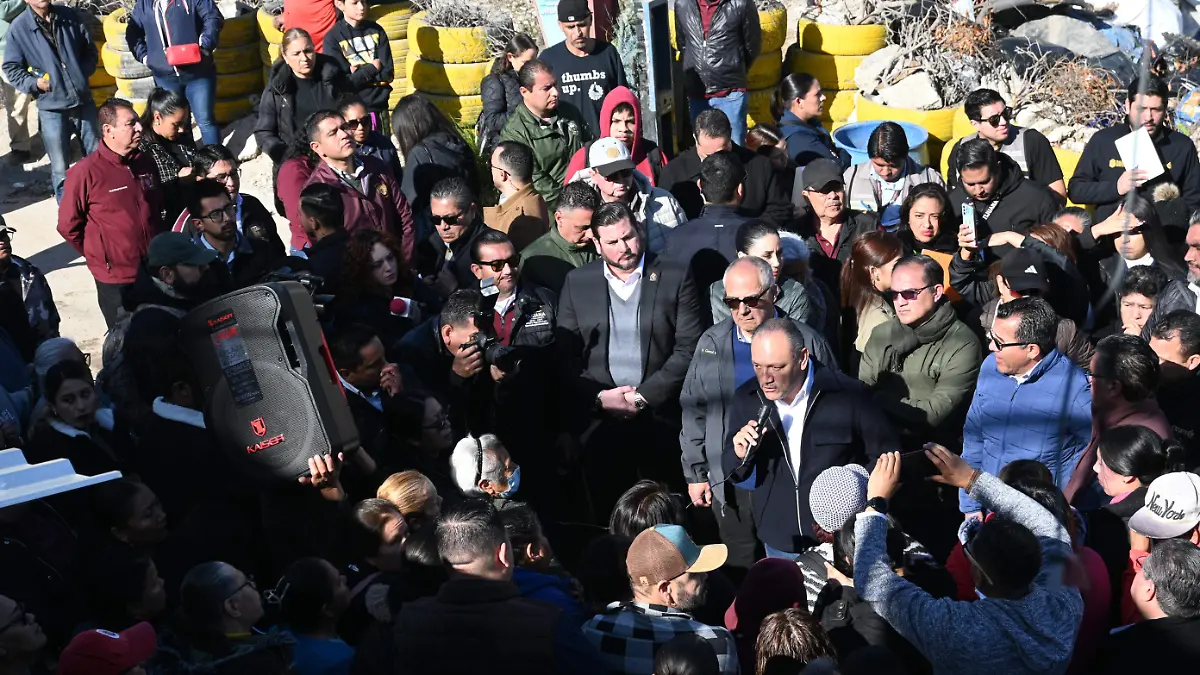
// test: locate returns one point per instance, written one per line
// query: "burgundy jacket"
(380, 207)
(111, 208)
(1146, 413)
(293, 176)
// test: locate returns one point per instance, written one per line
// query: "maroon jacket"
(382, 207)
(1146, 413)
(110, 210)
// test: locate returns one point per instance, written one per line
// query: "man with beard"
(627, 327)
(214, 219)
(587, 68)
(1101, 179)
(178, 274)
(27, 310)
(669, 575)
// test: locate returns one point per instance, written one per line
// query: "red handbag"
(183, 55)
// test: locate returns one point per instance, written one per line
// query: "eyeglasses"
(249, 582)
(994, 120)
(909, 295)
(1005, 345)
(498, 265)
(753, 301)
(223, 177)
(20, 616)
(217, 215)
(364, 122)
(449, 220)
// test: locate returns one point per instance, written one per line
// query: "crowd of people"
(889, 442)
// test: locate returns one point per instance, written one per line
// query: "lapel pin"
(654, 276)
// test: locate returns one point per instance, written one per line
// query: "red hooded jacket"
(646, 155)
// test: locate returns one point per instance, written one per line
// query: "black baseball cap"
(821, 172)
(1024, 271)
(176, 248)
(570, 11)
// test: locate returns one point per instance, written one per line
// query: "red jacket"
(382, 207)
(639, 154)
(110, 210)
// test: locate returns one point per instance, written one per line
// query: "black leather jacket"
(719, 62)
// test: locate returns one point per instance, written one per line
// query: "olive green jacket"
(553, 144)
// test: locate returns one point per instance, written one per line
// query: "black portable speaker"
(272, 395)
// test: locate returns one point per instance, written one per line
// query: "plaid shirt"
(627, 634)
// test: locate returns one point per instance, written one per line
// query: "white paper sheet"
(1146, 158)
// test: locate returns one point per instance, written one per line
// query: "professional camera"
(311, 283)
(495, 354)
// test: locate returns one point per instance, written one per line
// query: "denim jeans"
(776, 553)
(734, 105)
(57, 128)
(200, 91)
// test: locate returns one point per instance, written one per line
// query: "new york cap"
(1172, 506)
(666, 552)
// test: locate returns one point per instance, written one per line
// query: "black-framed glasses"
(994, 120)
(909, 295)
(449, 220)
(249, 582)
(1004, 345)
(222, 177)
(498, 265)
(20, 616)
(217, 215)
(753, 301)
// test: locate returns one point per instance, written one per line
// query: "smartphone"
(488, 287)
(968, 218)
(916, 466)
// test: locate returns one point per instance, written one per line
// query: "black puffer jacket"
(277, 125)
(720, 61)
(439, 155)
(501, 95)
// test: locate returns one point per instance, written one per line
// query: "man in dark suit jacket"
(709, 243)
(827, 414)
(627, 327)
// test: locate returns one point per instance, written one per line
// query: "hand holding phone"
(968, 219)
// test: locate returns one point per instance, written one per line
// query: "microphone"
(400, 306)
(764, 414)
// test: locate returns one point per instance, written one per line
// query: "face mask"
(514, 484)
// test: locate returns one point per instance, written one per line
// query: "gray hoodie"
(1035, 634)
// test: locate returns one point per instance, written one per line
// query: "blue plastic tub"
(853, 139)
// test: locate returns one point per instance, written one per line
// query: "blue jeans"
(200, 91)
(776, 553)
(57, 128)
(734, 105)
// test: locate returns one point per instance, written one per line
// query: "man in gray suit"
(721, 364)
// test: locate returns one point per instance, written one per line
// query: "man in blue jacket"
(53, 41)
(1031, 402)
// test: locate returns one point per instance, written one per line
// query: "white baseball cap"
(1172, 506)
(608, 156)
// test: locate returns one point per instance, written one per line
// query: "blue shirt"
(314, 656)
(743, 365)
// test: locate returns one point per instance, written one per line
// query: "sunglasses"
(1004, 345)
(449, 220)
(994, 120)
(498, 265)
(753, 301)
(354, 124)
(909, 295)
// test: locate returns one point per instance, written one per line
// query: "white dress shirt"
(792, 415)
(376, 399)
(625, 289)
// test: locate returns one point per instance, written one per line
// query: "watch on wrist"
(879, 504)
(639, 401)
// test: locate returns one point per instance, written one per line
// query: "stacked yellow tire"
(764, 74)
(831, 54)
(239, 75)
(126, 77)
(103, 85)
(394, 20)
(447, 65)
(269, 46)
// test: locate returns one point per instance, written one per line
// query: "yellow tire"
(114, 26)
(773, 25)
(399, 51)
(122, 64)
(139, 105)
(765, 71)
(101, 78)
(393, 18)
(1067, 161)
(823, 38)
(758, 106)
(833, 72)
(939, 123)
(239, 31)
(226, 110)
(135, 88)
(266, 27)
(447, 45)
(235, 59)
(268, 52)
(446, 79)
(102, 94)
(237, 85)
(839, 106)
(462, 110)
(962, 124)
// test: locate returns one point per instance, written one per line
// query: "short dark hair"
(365, 527)
(313, 123)
(750, 232)
(322, 202)
(622, 107)
(789, 640)
(205, 188)
(1155, 86)
(1128, 360)
(1182, 322)
(686, 654)
(1038, 323)
(488, 238)
(522, 526)
(453, 188)
(979, 98)
(1008, 553)
(611, 213)
(347, 343)
(714, 124)
(107, 114)
(527, 76)
(643, 506)
(516, 158)
(303, 593)
(720, 175)
(932, 271)
(209, 155)
(347, 100)
(468, 531)
(577, 195)
(1145, 280)
(462, 305)
(976, 153)
(1174, 567)
(888, 142)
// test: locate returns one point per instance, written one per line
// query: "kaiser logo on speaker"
(259, 427)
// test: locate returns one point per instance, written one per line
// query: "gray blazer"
(707, 390)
